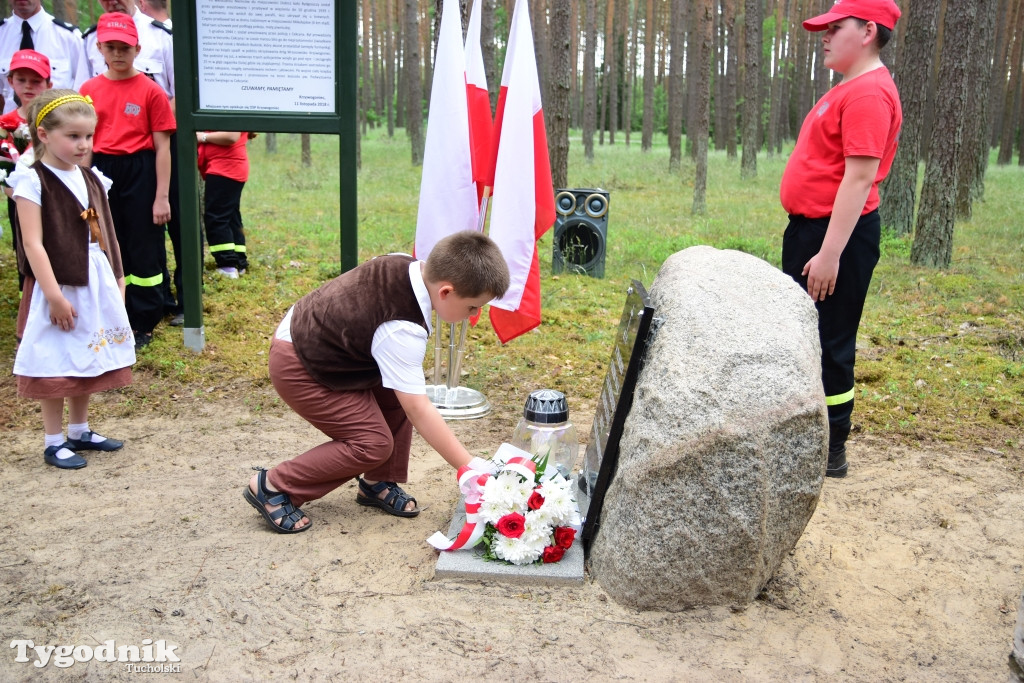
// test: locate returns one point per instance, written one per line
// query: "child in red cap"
(132, 147)
(28, 76)
(830, 191)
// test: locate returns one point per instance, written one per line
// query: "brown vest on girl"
(66, 233)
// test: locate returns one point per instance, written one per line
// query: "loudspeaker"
(581, 231)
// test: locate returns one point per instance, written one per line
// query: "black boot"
(837, 465)
(838, 430)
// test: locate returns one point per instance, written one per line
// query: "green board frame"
(190, 118)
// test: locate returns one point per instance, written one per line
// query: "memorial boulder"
(722, 456)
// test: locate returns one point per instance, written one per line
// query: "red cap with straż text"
(882, 12)
(117, 27)
(31, 60)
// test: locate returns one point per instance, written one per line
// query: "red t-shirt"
(228, 161)
(11, 120)
(128, 112)
(859, 118)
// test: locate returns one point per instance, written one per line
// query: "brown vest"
(332, 327)
(66, 234)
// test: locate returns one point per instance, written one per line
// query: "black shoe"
(142, 340)
(837, 464)
(85, 443)
(75, 462)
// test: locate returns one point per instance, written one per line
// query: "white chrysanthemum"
(509, 488)
(515, 550)
(559, 504)
(492, 510)
(538, 529)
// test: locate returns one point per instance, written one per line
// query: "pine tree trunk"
(561, 79)
(413, 84)
(647, 131)
(590, 81)
(487, 48)
(751, 87)
(933, 238)
(307, 151)
(365, 89)
(700, 44)
(627, 111)
(271, 143)
(974, 153)
(675, 85)
(1012, 94)
(732, 66)
(899, 190)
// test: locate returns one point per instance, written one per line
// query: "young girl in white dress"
(72, 324)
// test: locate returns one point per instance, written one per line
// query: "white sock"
(58, 440)
(75, 431)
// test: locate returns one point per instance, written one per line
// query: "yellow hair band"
(63, 99)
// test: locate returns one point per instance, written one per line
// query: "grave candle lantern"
(545, 430)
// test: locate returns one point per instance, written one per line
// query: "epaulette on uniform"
(160, 25)
(65, 25)
(3, 21)
(89, 31)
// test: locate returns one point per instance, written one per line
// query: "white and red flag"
(479, 102)
(523, 207)
(448, 194)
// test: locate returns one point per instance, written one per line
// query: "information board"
(266, 55)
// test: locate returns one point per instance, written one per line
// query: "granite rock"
(723, 454)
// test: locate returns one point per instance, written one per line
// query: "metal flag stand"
(451, 400)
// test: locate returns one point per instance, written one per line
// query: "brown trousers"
(369, 431)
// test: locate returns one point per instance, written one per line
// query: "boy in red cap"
(830, 191)
(132, 148)
(28, 76)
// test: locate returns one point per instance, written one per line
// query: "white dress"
(101, 340)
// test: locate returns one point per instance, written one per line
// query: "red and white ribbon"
(471, 483)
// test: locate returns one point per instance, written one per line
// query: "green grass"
(941, 352)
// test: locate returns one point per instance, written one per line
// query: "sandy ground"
(911, 569)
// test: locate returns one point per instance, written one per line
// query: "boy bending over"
(348, 358)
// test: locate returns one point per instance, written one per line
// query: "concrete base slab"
(470, 565)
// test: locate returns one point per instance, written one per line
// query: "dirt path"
(910, 568)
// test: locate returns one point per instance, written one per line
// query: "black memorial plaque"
(602, 455)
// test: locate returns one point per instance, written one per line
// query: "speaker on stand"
(581, 231)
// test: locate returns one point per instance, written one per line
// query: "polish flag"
(523, 208)
(479, 102)
(448, 195)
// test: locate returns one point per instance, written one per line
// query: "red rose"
(536, 501)
(564, 536)
(552, 553)
(512, 525)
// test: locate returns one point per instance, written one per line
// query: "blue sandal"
(288, 514)
(394, 503)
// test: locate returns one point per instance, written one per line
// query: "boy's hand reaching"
(161, 211)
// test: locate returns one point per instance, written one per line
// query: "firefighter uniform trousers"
(839, 314)
(143, 253)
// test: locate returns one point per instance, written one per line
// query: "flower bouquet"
(13, 144)
(520, 512)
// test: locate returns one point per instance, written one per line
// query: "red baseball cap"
(882, 12)
(115, 26)
(32, 60)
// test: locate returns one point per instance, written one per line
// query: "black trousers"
(222, 213)
(143, 253)
(839, 314)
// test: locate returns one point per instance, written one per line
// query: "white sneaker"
(230, 272)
